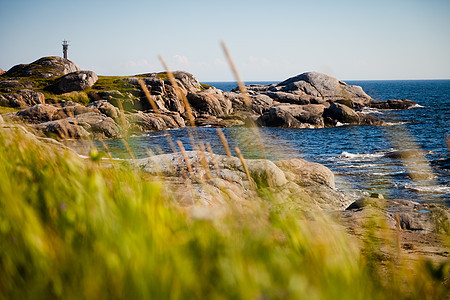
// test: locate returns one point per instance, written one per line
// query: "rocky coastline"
(58, 99)
(54, 98)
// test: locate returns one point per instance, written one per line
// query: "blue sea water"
(356, 154)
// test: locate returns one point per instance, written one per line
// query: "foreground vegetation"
(70, 228)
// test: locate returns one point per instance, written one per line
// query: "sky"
(268, 40)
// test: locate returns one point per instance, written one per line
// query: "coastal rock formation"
(313, 87)
(45, 67)
(311, 100)
(293, 116)
(399, 213)
(105, 108)
(46, 112)
(75, 81)
(150, 101)
(161, 91)
(141, 121)
(69, 120)
(9, 85)
(214, 179)
(23, 85)
(90, 124)
(340, 113)
(210, 102)
(393, 104)
(22, 98)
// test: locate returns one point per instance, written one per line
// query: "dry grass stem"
(186, 159)
(224, 141)
(148, 96)
(122, 117)
(244, 165)
(204, 161)
(399, 230)
(178, 91)
(213, 158)
(241, 85)
(127, 146)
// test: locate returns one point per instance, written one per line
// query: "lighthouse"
(65, 45)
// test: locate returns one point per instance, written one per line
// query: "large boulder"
(306, 173)
(284, 97)
(155, 85)
(10, 85)
(188, 82)
(63, 129)
(294, 116)
(86, 125)
(216, 179)
(324, 87)
(75, 81)
(105, 108)
(45, 67)
(340, 113)
(44, 112)
(99, 125)
(259, 103)
(393, 104)
(22, 98)
(211, 102)
(141, 121)
(38, 113)
(406, 214)
(211, 121)
(313, 87)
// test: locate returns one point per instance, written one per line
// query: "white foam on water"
(349, 155)
(416, 106)
(151, 135)
(396, 123)
(370, 110)
(388, 173)
(360, 166)
(432, 188)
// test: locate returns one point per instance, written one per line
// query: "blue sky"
(269, 40)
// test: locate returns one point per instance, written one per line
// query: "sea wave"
(396, 123)
(349, 155)
(389, 173)
(432, 188)
(151, 134)
(360, 166)
(371, 110)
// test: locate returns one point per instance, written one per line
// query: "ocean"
(359, 156)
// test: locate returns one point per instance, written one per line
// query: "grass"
(4, 110)
(109, 83)
(104, 83)
(78, 97)
(72, 229)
